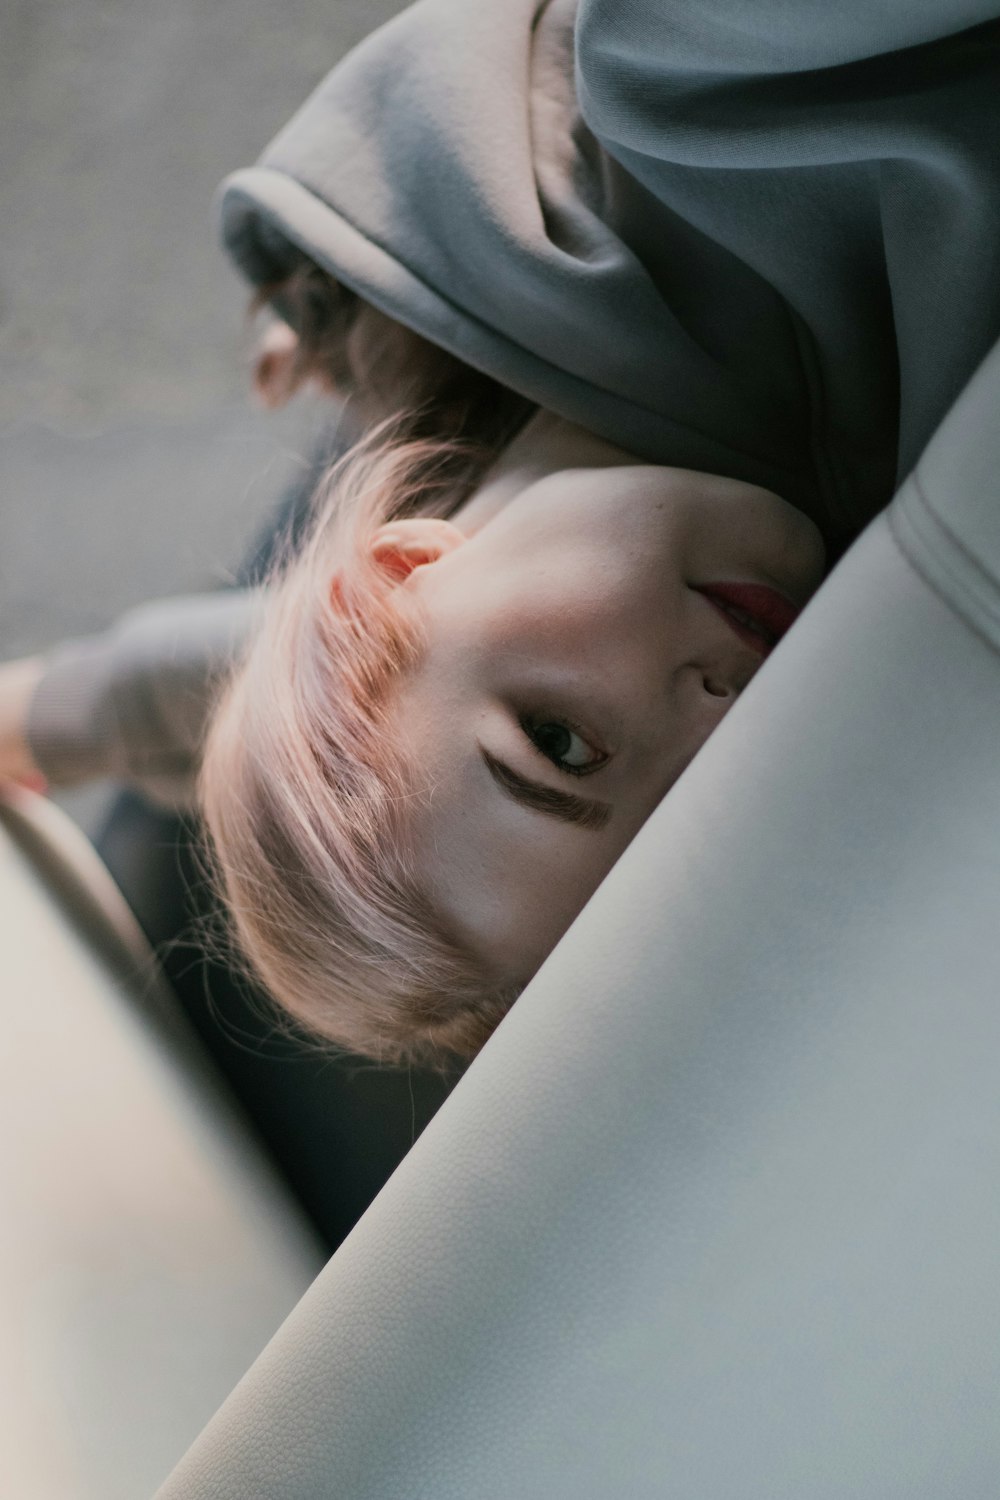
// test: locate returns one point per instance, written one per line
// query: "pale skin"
(567, 647)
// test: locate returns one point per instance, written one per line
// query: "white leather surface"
(145, 1253)
(715, 1214)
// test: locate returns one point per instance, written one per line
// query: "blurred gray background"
(132, 464)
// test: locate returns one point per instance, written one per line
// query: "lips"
(759, 615)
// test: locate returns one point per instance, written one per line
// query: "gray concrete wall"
(131, 464)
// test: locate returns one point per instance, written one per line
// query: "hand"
(18, 680)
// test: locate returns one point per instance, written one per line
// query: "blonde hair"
(304, 785)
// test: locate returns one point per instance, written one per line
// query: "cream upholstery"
(715, 1214)
(146, 1252)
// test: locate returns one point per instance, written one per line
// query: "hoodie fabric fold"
(732, 239)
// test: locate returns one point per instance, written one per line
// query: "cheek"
(561, 598)
(526, 909)
(591, 615)
(508, 883)
(540, 899)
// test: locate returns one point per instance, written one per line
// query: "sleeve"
(133, 702)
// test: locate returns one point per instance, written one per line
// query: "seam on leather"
(945, 563)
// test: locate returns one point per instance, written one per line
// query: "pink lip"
(768, 613)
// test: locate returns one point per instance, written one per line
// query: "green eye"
(562, 745)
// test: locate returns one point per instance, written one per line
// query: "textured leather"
(147, 1252)
(715, 1213)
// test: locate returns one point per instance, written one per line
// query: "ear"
(274, 377)
(400, 546)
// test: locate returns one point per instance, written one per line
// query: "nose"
(720, 652)
(718, 672)
(709, 663)
(710, 681)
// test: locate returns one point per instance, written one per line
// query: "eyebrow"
(586, 811)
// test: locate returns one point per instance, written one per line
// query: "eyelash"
(530, 726)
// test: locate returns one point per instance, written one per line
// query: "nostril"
(716, 689)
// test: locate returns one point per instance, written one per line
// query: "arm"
(131, 703)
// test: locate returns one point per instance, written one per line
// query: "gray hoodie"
(721, 241)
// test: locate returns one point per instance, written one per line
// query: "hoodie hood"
(698, 274)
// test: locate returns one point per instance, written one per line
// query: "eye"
(563, 745)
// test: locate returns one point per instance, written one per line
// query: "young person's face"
(574, 664)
